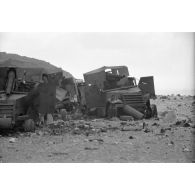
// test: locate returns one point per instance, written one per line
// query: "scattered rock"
(12, 140)
(86, 134)
(123, 123)
(171, 143)
(163, 97)
(98, 140)
(146, 130)
(182, 123)
(186, 149)
(115, 119)
(88, 148)
(76, 131)
(128, 128)
(126, 118)
(186, 125)
(39, 133)
(103, 130)
(155, 124)
(170, 117)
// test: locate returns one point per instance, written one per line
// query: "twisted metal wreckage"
(105, 92)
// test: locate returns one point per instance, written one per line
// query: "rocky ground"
(167, 139)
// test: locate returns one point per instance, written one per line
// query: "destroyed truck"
(18, 82)
(110, 91)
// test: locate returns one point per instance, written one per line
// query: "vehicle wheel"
(154, 111)
(29, 125)
(148, 113)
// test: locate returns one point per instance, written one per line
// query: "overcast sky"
(169, 57)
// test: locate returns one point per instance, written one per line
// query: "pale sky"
(169, 57)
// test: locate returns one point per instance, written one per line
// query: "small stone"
(103, 130)
(88, 148)
(171, 143)
(186, 149)
(146, 130)
(39, 133)
(114, 119)
(86, 126)
(155, 124)
(131, 137)
(186, 125)
(163, 97)
(76, 129)
(123, 123)
(12, 140)
(126, 118)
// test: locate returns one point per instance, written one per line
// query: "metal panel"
(146, 84)
(94, 97)
(134, 100)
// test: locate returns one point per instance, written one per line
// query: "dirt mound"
(30, 62)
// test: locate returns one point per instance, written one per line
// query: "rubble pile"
(75, 127)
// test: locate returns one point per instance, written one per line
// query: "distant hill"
(31, 62)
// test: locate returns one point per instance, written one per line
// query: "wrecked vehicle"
(18, 84)
(70, 95)
(110, 91)
(67, 95)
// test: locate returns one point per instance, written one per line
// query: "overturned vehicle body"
(19, 86)
(110, 91)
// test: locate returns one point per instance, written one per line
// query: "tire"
(29, 125)
(154, 111)
(148, 113)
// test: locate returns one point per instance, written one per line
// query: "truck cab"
(114, 82)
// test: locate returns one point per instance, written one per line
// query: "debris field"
(168, 138)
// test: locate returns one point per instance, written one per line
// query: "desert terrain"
(168, 138)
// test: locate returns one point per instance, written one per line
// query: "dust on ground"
(167, 139)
